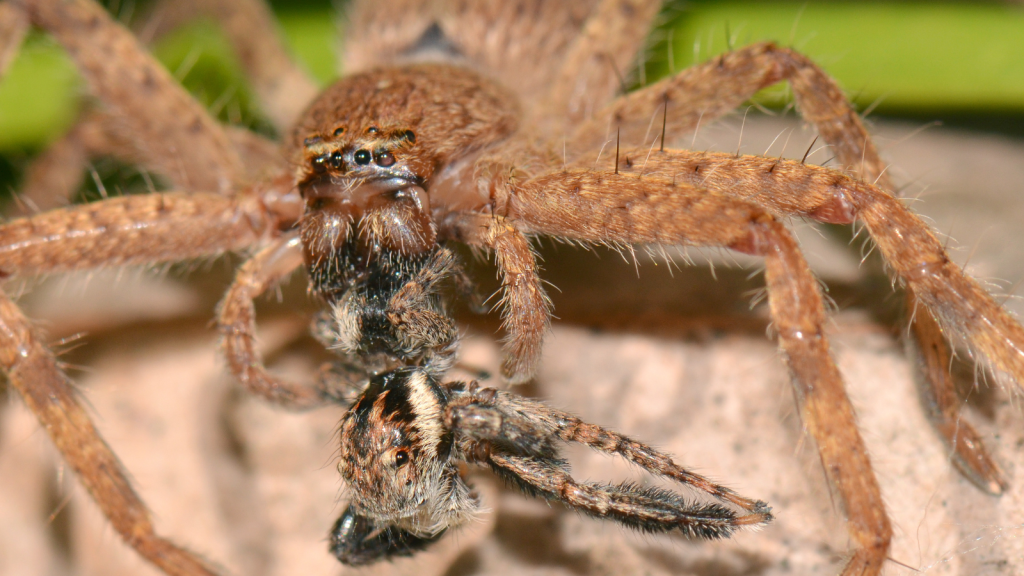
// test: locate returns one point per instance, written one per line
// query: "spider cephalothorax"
(401, 126)
(372, 148)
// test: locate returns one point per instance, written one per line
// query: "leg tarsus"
(927, 346)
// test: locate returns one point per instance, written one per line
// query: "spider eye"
(337, 159)
(362, 157)
(320, 164)
(384, 158)
(401, 458)
(372, 130)
(339, 131)
(409, 136)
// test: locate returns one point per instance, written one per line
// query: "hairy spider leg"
(236, 321)
(648, 509)
(515, 436)
(525, 307)
(131, 230)
(591, 73)
(188, 145)
(116, 232)
(32, 370)
(708, 91)
(596, 206)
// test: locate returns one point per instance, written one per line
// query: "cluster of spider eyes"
(362, 157)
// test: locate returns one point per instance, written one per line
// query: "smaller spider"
(402, 439)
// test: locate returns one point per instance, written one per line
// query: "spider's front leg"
(119, 231)
(516, 437)
(599, 206)
(705, 92)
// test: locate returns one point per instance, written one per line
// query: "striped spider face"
(396, 459)
(395, 451)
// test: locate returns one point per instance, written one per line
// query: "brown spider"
(395, 161)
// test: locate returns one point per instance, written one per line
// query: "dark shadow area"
(602, 290)
(536, 541)
(467, 563)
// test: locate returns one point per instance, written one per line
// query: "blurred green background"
(958, 63)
